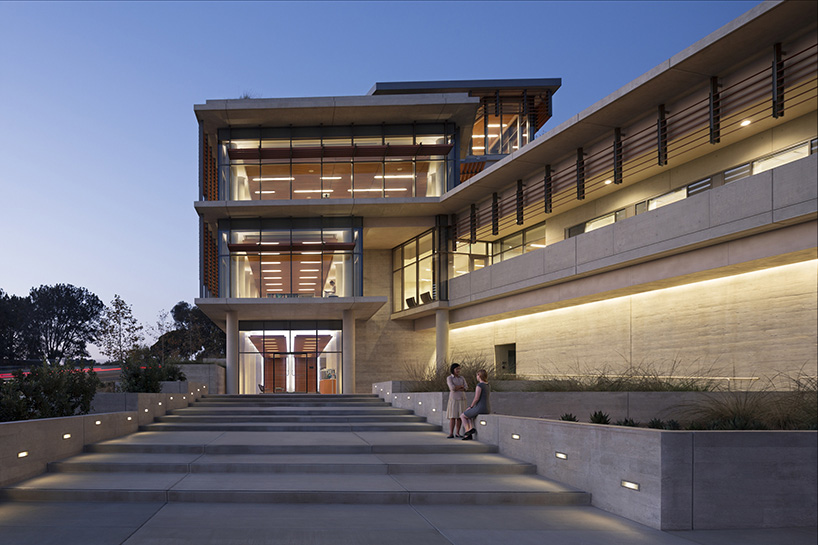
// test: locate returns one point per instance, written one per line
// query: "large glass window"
(414, 280)
(290, 356)
(323, 163)
(468, 258)
(275, 258)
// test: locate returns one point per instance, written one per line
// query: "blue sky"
(98, 136)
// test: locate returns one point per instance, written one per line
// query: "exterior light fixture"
(22, 454)
(434, 410)
(420, 403)
(130, 418)
(608, 182)
(629, 485)
(482, 422)
(408, 397)
(171, 398)
(183, 397)
(745, 123)
(160, 402)
(146, 410)
(66, 436)
(515, 436)
(98, 422)
(561, 455)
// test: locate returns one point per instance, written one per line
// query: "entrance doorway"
(505, 359)
(300, 357)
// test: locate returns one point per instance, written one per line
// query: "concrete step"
(283, 403)
(341, 411)
(297, 488)
(332, 418)
(293, 426)
(387, 464)
(245, 397)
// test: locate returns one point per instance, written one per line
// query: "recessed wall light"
(630, 485)
(22, 454)
(130, 418)
(515, 436)
(482, 422)
(98, 422)
(66, 436)
(743, 124)
(561, 455)
(608, 182)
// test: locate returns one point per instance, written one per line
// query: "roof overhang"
(300, 308)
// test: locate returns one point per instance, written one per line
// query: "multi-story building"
(345, 238)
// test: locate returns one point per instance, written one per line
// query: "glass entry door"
(278, 357)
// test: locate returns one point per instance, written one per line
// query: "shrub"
(48, 392)
(569, 417)
(672, 425)
(656, 423)
(431, 379)
(630, 422)
(145, 375)
(600, 418)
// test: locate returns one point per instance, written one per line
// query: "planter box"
(687, 479)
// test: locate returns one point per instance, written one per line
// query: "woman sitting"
(479, 405)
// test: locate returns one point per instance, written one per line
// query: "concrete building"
(343, 238)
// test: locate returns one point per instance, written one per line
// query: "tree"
(119, 332)
(195, 336)
(64, 318)
(16, 339)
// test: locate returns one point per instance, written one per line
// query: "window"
(596, 223)
(781, 158)
(414, 280)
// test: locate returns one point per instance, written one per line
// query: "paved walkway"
(303, 470)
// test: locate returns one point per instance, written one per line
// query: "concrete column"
(231, 375)
(348, 353)
(441, 337)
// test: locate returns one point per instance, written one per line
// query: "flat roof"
(478, 86)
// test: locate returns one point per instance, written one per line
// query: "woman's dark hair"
(452, 367)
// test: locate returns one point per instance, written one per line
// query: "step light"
(482, 422)
(130, 418)
(515, 436)
(630, 485)
(66, 436)
(98, 422)
(561, 455)
(22, 454)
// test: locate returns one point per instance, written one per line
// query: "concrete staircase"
(353, 449)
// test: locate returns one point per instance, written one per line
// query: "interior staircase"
(293, 448)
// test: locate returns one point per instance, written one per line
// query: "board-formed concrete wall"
(754, 324)
(687, 479)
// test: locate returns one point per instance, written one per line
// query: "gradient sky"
(98, 136)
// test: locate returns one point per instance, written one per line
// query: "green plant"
(672, 425)
(433, 379)
(145, 375)
(656, 423)
(48, 392)
(599, 417)
(569, 417)
(630, 422)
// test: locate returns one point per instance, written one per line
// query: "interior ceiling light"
(287, 179)
(394, 176)
(313, 191)
(310, 270)
(264, 192)
(332, 177)
(312, 262)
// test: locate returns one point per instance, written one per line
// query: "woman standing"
(479, 405)
(457, 399)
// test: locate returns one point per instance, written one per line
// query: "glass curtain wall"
(413, 272)
(290, 357)
(272, 258)
(503, 130)
(375, 162)
(466, 257)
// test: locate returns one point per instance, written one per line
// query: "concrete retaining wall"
(209, 374)
(687, 479)
(50, 439)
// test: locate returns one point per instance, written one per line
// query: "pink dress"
(457, 398)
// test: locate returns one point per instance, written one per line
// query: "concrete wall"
(754, 324)
(687, 480)
(211, 375)
(113, 415)
(385, 347)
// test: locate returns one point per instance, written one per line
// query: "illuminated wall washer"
(561, 455)
(22, 454)
(515, 436)
(629, 485)
(66, 436)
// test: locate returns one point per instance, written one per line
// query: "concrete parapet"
(50, 439)
(687, 480)
(209, 374)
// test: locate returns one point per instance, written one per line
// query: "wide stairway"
(290, 448)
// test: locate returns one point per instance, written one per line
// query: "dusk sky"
(98, 138)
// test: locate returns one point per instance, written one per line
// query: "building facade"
(344, 239)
